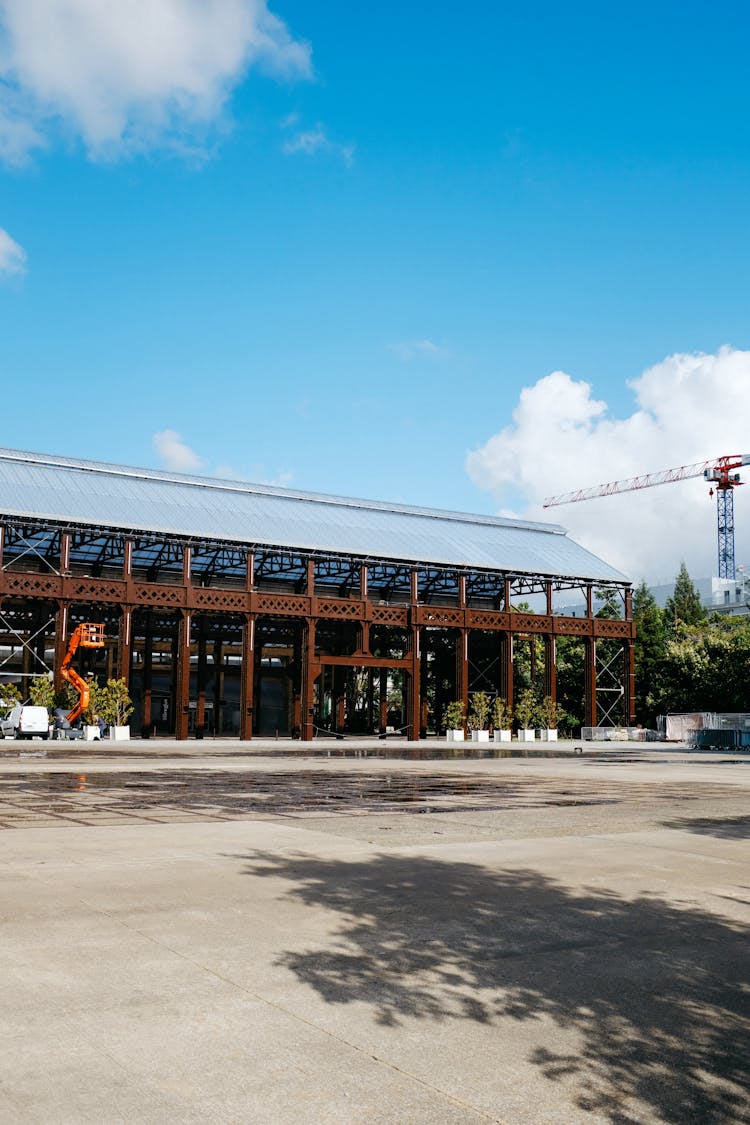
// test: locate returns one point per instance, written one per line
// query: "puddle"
(165, 796)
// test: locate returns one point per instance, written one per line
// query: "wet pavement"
(41, 799)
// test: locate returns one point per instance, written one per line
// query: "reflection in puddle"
(161, 796)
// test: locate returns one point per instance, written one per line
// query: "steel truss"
(178, 606)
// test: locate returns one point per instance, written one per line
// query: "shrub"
(113, 702)
(501, 716)
(526, 709)
(454, 715)
(479, 709)
(42, 692)
(551, 714)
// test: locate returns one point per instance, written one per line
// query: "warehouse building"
(238, 609)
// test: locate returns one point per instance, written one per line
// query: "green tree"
(571, 680)
(685, 603)
(42, 692)
(9, 695)
(113, 702)
(650, 650)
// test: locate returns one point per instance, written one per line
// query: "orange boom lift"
(84, 636)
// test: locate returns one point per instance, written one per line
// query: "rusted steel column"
(218, 686)
(2, 545)
(182, 676)
(628, 661)
(629, 604)
(590, 679)
(307, 732)
(147, 676)
(548, 592)
(248, 677)
(61, 640)
(200, 680)
(550, 667)
(383, 700)
(187, 558)
(414, 717)
(127, 560)
(506, 666)
(250, 570)
(339, 698)
(125, 643)
(462, 668)
(589, 601)
(65, 552)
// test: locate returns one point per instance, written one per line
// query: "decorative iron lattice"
(446, 617)
(339, 610)
(572, 626)
(388, 615)
(530, 623)
(227, 600)
(33, 585)
(486, 619)
(94, 591)
(160, 595)
(606, 627)
(282, 605)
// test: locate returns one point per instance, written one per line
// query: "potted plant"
(92, 732)
(479, 711)
(115, 707)
(501, 720)
(550, 714)
(454, 721)
(526, 715)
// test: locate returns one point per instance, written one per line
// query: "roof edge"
(225, 485)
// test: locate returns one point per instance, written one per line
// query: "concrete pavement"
(232, 938)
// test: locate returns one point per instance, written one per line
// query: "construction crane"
(84, 636)
(719, 472)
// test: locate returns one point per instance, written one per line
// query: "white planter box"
(119, 734)
(92, 734)
(526, 734)
(548, 734)
(454, 735)
(480, 736)
(502, 736)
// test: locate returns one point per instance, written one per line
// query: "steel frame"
(185, 581)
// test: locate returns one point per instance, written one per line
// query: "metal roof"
(92, 493)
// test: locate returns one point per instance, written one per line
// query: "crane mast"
(719, 472)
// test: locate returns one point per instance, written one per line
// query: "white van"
(28, 722)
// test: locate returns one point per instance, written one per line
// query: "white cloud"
(175, 454)
(128, 76)
(406, 350)
(688, 408)
(12, 256)
(310, 141)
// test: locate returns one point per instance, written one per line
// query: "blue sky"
(341, 266)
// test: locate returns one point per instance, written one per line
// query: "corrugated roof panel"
(90, 492)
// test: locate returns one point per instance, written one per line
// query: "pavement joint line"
(300, 1019)
(612, 838)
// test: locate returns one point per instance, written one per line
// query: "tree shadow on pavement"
(657, 998)
(725, 828)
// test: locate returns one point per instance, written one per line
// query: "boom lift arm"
(84, 636)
